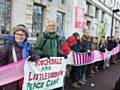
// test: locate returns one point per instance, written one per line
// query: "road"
(104, 80)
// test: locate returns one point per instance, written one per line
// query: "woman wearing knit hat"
(19, 49)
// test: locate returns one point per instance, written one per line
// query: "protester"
(118, 54)
(102, 47)
(16, 49)
(48, 42)
(76, 46)
(94, 46)
(118, 58)
(107, 52)
(117, 85)
(86, 41)
(112, 44)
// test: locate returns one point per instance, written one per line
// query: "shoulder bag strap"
(14, 54)
(44, 41)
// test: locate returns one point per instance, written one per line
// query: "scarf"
(26, 48)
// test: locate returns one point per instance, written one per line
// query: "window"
(114, 3)
(117, 4)
(103, 16)
(103, 1)
(60, 21)
(5, 16)
(97, 12)
(37, 19)
(60, 1)
(89, 9)
(89, 24)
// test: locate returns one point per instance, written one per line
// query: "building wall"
(22, 12)
(104, 15)
(18, 12)
(71, 18)
(105, 6)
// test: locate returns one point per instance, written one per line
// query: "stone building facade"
(33, 13)
(36, 13)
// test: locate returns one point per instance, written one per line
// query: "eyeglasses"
(51, 25)
(20, 34)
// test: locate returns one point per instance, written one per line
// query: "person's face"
(51, 26)
(112, 39)
(94, 40)
(20, 36)
(87, 33)
(78, 37)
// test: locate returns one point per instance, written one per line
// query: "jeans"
(82, 72)
(74, 75)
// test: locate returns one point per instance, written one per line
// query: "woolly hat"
(20, 27)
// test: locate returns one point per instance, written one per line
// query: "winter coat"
(102, 46)
(110, 45)
(94, 46)
(77, 47)
(48, 43)
(86, 41)
(6, 57)
(71, 40)
(65, 48)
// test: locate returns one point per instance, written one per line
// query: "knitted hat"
(20, 27)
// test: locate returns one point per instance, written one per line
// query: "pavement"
(103, 80)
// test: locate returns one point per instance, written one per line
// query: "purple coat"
(7, 58)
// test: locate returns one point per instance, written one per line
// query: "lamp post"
(113, 11)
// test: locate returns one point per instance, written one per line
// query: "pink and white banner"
(115, 50)
(94, 56)
(85, 58)
(11, 72)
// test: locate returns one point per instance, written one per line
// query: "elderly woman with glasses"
(16, 49)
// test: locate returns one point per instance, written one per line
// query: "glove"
(31, 59)
(43, 55)
(62, 55)
(88, 51)
(65, 56)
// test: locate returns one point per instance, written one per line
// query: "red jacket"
(65, 47)
(71, 40)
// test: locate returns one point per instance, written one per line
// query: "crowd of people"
(49, 44)
(87, 44)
